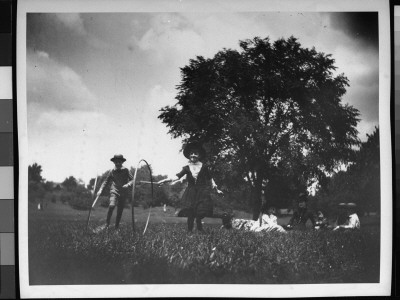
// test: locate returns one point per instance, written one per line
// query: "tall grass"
(61, 252)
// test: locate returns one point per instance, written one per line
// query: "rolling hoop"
(133, 195)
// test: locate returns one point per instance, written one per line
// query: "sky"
(96, 81)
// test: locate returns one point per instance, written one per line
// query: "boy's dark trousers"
(120, 209)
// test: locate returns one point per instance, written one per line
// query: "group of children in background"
(268, 221)
(197, 202)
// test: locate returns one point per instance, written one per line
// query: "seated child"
(267, 222)
(301, 214)
(321, 222)
(352, 221)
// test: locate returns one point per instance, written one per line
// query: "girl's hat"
(194, 145)
(351, 207)
(118, 157)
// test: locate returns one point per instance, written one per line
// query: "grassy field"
(61, 252)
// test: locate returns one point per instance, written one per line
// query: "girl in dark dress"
(196, 200)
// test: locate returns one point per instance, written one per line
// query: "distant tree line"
(79, 196)
(359, 183)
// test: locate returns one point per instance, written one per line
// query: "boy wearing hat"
(196, 199)
(119, 179)
(301, 215)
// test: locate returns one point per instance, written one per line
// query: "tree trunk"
(256, 198)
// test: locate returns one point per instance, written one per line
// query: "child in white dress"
(267, 222)
(352, 221)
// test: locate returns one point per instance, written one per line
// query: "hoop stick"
(133, 198)
(94, 202)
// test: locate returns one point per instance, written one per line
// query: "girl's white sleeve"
(352, 222)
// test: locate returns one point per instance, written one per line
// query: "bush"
(81, 200)
(36, 192)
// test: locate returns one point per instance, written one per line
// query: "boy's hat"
(194, 145)
(118, 157)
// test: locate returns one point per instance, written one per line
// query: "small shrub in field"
(81, 200)
(65, 197)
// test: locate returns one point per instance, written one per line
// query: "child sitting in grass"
(321, 222)
(266, 222)
(301, 214)
(352, 221)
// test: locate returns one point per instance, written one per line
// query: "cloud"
(168, 39)
(76, 23)
(366, 100)
(89, 97)
(153, 139)
(360, 26)
(42, 54)
(175, 38)
(56, 86)
(72, 21)
(361, 66)
(87, 139)
(365, 128)
(76, 143)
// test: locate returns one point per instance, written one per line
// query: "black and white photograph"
(204, 148)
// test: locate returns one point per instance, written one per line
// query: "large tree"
(270, 107)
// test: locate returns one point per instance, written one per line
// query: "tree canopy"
(270, 107)
(35, 173)
(70, 183)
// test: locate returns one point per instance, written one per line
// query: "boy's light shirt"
(121, 177)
